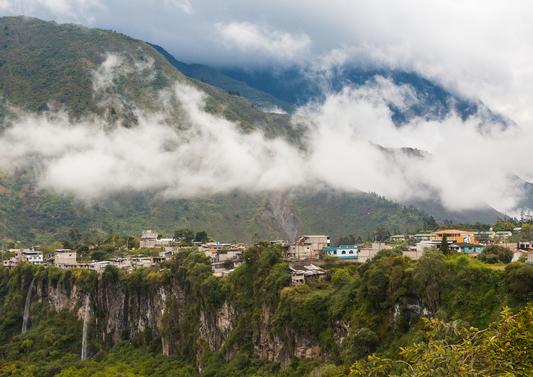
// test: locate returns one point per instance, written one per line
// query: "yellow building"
(454, 235)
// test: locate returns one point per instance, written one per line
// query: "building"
(148, 239)
(306, 274)
(467, 248)
(32, 256)
(421, 237)
(413, 253)
(525, 245)
(424, 245)
(342, 251)
(454, 235)
(503, 235)
(308, 247)
(517, 254)
(24, 256)
(367, 252)
(485, 236)
(397, 238)
(65, 258)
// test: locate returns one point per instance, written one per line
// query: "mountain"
(217, 78)
(46, 67)
(297, 86)
(28, 213)
(49, 66)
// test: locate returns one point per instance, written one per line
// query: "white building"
(32, 256)
(24, 255)
(306, 273)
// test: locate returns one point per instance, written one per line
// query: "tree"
(359, 344)
(444, 247)
(201, 237)
(496, 254)
(430, 275)
(519, 280)
(185, 235)
(453, 349)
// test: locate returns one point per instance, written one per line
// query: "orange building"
(454, 235)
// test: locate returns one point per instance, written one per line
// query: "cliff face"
(180, 309)
(167, 313)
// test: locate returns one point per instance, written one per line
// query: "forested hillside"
(442, 315)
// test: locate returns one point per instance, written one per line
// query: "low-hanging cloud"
(350, 143)
(282, 47)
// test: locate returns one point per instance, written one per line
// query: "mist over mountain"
(120, 117)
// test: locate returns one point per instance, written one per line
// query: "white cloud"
(183, 5)
(467, 166)
(211, 156)
(82, 11)
(252, 39)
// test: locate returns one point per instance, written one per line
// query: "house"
(224, 261)
(148, 239)
(308, 247)
(467, 248)
(342, 251)
(424, 245)
(306, 274)
(485, 236)
(397, 238)
(32, 256)
(24, 255)
(421, 237)
(503, 235)
(454, 235)
(413, 252)
(525, 245)
(65, 258)
(367, 252)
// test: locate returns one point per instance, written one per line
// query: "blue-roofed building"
(342, 251)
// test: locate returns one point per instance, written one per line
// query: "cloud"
(350, 144)
(90, 160)
(82, 11)
(252, 39)
(183, 5)
(481, 50)
(465, 165)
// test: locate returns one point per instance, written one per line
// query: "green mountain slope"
(45, 66)
(214, 77)
(33, 215)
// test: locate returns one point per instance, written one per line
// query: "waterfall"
(86, 318)
(27, 305)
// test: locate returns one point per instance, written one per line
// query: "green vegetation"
(38, 216)
(363, 320)
(496, 254)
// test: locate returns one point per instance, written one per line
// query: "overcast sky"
(482, 49)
